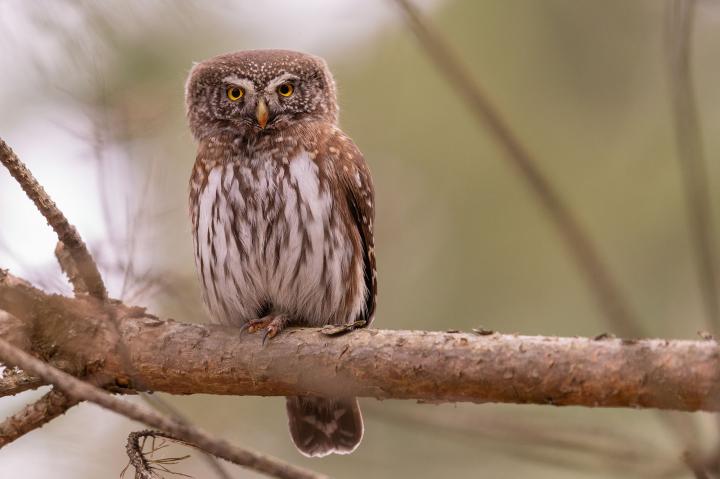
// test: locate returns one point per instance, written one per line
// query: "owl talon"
(274, 327)
(271, 324)
(255, 324)
(268, 334)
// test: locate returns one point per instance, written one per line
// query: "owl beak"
(261, 113)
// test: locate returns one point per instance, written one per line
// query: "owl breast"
(269, 238)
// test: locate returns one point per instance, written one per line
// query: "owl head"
(258, 92)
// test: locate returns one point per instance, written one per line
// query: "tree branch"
(68, 267)
(13, 381)
(82, 391)
(66, 232)
(34, 416)
(183, 358)
(431, 366)
(18, 332)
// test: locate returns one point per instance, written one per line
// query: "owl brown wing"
(358, 189)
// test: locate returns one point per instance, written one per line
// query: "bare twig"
(81, 391)
(688, 132)
(34, 416)
(610, 298)
(144, 467)
(66, 232)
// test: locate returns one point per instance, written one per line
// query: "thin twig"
(691, 155)
(144, 467)
(610, 298)
(34, 416)
(82, 391)
(66, 232)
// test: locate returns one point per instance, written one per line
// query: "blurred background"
(91, 98)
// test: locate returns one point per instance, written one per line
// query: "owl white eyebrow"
(272, 85)
(244, 83)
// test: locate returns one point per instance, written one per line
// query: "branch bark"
(431, 366)
(181, 358)
(14, 381)
(34, 416)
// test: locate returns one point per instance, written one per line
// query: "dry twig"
(145, 468)
(34, 416)
(66, 232)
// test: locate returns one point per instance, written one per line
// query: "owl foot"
(272, 324)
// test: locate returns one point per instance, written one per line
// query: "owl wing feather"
(357, 186)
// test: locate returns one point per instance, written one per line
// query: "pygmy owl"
(282, 213)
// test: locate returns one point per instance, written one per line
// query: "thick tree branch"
(66, 232)
(81, 391)
(183, 358)
(430, 366)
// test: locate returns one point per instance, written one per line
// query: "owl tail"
(320, 426)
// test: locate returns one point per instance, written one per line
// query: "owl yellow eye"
(234, 93)
(286, 89)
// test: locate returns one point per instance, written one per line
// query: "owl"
(282, 209)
